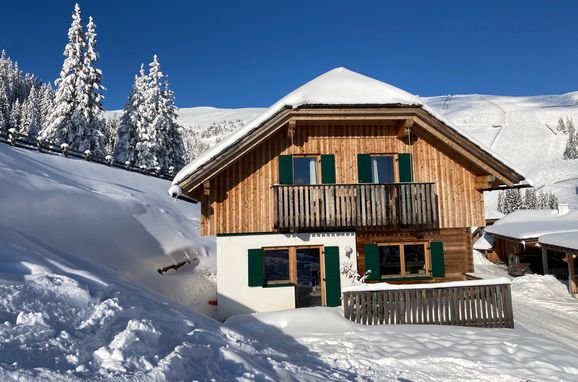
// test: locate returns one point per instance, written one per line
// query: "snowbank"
(72, 209)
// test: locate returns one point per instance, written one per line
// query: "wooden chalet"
(345, 173)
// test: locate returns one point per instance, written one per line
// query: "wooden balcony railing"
(359, 206)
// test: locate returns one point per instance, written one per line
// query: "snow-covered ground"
(80, 298)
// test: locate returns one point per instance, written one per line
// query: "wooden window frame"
(317, 159)
(427, 253)
(293, 267)
(395, 165)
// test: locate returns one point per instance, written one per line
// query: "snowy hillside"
(522, 130)
(55, 208)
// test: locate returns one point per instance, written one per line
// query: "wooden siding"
(457, 249)
(240, 197)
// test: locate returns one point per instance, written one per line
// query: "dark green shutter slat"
(286, 169)
(256, 268)
(332, 277)
(364, 168)
(372, 261)
(328, 169)
(437, 259)
(405, 170)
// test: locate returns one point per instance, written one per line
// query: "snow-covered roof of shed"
(484, 243)
(566, 239)
(532, 224)
(337, 87)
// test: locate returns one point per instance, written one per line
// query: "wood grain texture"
(241, 197)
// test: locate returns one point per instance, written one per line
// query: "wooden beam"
(485, 182)
(404, 128)
(571, 274)
(291, 128)
(206, 188)
(545, 261)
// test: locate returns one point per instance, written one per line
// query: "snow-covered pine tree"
(571, 150)
(70, 122)
(31, 114)
(530, 199)
(46, 104)
(552, 201)
(110, 130)
(170, 141)
(91, 103)
(131, 119)
(501, 202)
(542, 200)
(15, 115)
(561, 126)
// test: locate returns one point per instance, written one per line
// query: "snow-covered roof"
(532, 224)
(484, 243)
(337, 87)
(566, 239)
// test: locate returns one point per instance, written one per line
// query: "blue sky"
(250, 53)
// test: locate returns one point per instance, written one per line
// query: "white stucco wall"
(234, 296)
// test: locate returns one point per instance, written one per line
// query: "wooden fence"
(488, 306)
(23, 141)
(309, 207)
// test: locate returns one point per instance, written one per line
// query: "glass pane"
(382, 169)
(389, 260)
(276, 265)
(304, 170)
(414, 259)
(308, 277)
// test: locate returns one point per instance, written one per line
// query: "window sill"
(406, 278)
(279, 285)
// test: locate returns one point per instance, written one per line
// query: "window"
(382, 169)
(402, 260)
(305, 170)
(276, 266)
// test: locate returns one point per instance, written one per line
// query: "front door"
(309, 281)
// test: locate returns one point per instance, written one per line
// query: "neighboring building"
(539, 240)
(564, 248)
(346, 173)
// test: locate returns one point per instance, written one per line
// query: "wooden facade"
(457, 248)
(240, 198)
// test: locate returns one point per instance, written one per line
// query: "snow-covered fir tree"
(512, 200)
(131, 120)
(111, 127)
(15, 115)
(561, 125)
(571, 150)
(530, 199)
(31, 114)
(149, 136)
(76, 119)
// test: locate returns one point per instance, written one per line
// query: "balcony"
(355, 206)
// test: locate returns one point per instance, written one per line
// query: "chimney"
(563, 208)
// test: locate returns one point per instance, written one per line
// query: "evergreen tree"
(571, 150)
(31, 114)
(110, 130)
(530, 199)
(501, 201)
(131, 120)
(46, 104)
(15, 115)
(73, 118)
(561, 126)
(170, 141)
(552, 201)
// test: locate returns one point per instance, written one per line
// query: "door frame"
(293, 268)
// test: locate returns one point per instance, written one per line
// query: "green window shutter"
(372, 261)
(437, 259)
(332, 277)
(286, 169)
(328, 169)
(256, 268)
(364, 168)
(405, 169)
